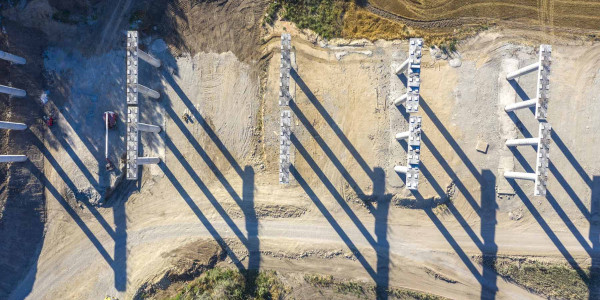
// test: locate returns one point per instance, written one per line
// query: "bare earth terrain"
(346, 212)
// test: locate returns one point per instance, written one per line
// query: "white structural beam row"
(543, 159)
(12, 126)
(133, 88)
(413, 155)
(284, 69)
(12, 91)
(12, 58)
(413, 65)
(284, 147)
(12, 158)
(543, 84)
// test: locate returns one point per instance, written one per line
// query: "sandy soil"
(346, 213)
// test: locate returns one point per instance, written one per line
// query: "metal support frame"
(284, 70)
(413, 155)
(543, 159)
(284, 147)
(543, 84)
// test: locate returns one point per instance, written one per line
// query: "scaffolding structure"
(133, 88)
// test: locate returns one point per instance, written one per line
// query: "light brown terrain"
(346, 212)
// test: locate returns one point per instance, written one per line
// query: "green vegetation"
(325, 17)
(552, 280)
(220, 283)
(363, 290)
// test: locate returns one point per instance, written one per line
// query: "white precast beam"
(148, 91)
(402, 135)
(12, 158)
(148, 160)
(148, 128)
(401, 169)
(12, 58)
(106, 136)
(12, 91)
(522, 142)
(522, 71)
(519, 105)
(13, 126)
(400, 99)
(520, 175)
(402, 67)
(149, 58)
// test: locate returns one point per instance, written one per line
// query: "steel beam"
(12, 91)
(12, 158)
(12, 58)
(12, 126)
(284, 69)
(543, 159)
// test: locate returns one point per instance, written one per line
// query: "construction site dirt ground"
(346, 212)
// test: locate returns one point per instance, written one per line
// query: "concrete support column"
(149, 58)
(148, 128)
(12, 58)
(400, 99)
(522, 142)
(523, 71)
(148, 91)
(402, 135)
(401, 169)
(148, 160)
(12, 91)
(12, 158)
(520, 175)
(519, 105)
(402, 67)
(13, 126)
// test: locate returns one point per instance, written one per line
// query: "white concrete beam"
(519, 105)
(520, 175)
(12, 158)
(13, 126)
(12, 58)
(148, 128)
(522, 71)
(148, 160)
(12, 91)
(522, 142)
(148, 91)
(149, 58)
